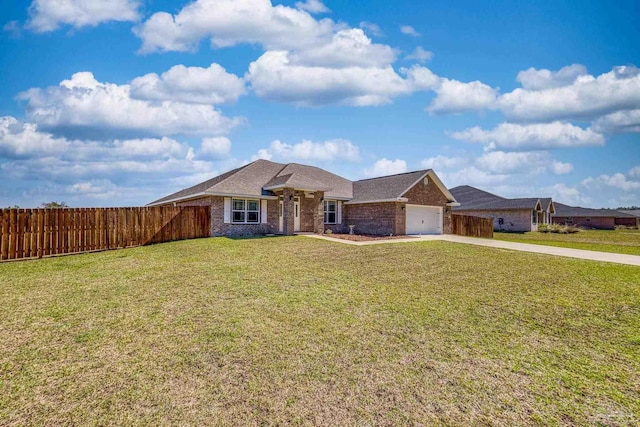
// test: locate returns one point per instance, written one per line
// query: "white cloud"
(511, 136)
(635, 172)
(312, 6)
(273, 77)
(347, 48)
(559, 168)
(48, 15)
(93, 189)
(371, 28)
(212, 85)
(19, 139)
(420, 55)
(617, 180)
(13, 28)
(83, 104)
(120, 171)
(230, 22)
(454, 96)
(568, 195)
(443, 162)
(385, 166)
(24, 140)
(409, 30)
(533, 162)
(609, 100)
(533, 79)
(586, 98)
(472, 175)
(619, 122)
(145, 148)
(215, 148)
(330, 150)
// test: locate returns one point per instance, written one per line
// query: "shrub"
(625, 227)
(558, 228)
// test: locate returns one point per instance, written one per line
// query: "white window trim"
(325, 211)
(245, 210)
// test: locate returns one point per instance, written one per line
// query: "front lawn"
(293, 330)
(617, 241)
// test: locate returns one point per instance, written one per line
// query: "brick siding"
(219, 228)
(600, 223)
(628, 222)
(430, 195)
(375, 218)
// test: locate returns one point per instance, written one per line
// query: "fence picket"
(473, 226)
(28, 233)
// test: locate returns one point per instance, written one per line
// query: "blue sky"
(118, 103)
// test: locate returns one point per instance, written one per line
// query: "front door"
(296, 215)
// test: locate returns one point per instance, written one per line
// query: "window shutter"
(263, 211)
(227, 210)
(339, 213)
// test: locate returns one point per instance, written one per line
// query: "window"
(245, 211)
(534, 217)
(330, 211)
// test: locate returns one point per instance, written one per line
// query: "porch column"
(287, 212)
(318, 212)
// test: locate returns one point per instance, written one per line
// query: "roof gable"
(393, 187)
(305, 177)
(255, 178)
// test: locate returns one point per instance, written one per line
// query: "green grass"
(617, 241)
(299, 331)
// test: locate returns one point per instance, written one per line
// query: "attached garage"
(424, 219)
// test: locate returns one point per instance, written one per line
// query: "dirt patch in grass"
(364, 237)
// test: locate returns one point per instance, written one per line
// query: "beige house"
(265, 197)
(522, 214)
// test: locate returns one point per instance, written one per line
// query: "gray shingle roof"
(251, 179)
(260, 177)
(471, 198)
(312, 178)
(573, 211)
(634, 212)
(385, 187)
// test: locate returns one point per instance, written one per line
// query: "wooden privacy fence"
(27, 233)
(473, 226)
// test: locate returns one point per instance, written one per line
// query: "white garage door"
(424, 219)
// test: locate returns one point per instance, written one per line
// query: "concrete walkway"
(514, 246)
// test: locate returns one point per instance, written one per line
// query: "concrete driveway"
(515, 246)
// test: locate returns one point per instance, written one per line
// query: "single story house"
(265, 197)
(523, 214)
(603, 219)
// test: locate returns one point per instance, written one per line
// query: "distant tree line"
(46, 205)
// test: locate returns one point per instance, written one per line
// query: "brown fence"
(473, 226)
(27, 233)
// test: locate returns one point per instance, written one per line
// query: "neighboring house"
(524, 214)
(264, 197)
(603, 219)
